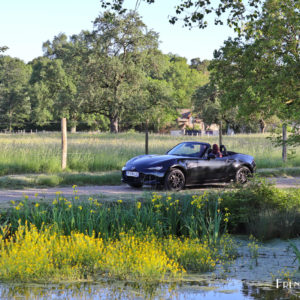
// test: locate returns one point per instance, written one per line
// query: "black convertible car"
(188, 163)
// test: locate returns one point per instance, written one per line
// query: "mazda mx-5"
(188, 164)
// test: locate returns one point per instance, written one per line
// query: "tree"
(3, 49)
(195, 12)
(73, 54)
(14, 98)
(52, 90)
(120, 51)
(200, 65)
(155, 107)
(260, 75)
(208, 104)
(184, 80)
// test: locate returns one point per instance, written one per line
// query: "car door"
(192, 167)
(212, 169)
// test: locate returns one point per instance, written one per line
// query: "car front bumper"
(153, 178)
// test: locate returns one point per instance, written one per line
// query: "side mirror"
(211, 156)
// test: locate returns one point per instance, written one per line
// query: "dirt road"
(114, 192)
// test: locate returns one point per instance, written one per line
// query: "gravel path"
(115, 191)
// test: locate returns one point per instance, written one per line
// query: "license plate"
(132, 174)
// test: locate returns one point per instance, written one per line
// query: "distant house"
(187, 121)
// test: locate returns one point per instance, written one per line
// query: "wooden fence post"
(220, 134)
(64, 144)
(284, 148)
(147, 138)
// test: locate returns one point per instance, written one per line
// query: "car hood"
(145, 161)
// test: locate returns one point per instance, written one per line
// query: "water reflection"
(255, 291)
(188, 289)
(104, 290)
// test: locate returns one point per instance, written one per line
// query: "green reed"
(164, 214)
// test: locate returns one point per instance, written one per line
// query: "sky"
(26, 24)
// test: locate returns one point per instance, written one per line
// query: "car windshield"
(188, 149)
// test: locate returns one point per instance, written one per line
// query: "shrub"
(263, 210)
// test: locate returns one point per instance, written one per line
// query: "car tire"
(242, 175)
(174, 180)
(135, 185)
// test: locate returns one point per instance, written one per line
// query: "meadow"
(101, 152)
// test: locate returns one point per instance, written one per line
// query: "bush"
(263, 210)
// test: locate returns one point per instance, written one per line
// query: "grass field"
(40, 153)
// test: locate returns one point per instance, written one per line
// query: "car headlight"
(123, 169)
(155, 168)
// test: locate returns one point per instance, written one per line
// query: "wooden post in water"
(284, 138)
(220, 134)
(64, 144)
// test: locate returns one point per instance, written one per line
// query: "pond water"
(245, 278)
(224, 290)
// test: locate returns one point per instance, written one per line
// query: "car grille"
(131, 179)
(141, 179)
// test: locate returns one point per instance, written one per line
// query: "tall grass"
(40, 153)
(190, 216)
(259, 209)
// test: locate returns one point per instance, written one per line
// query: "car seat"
(223, 150)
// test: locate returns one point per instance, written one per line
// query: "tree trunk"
(220, 134)
(73, 129)
(63, 143)
(114, 125)
(284, 148)
(262, 125)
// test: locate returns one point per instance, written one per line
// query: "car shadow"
(192, 187)
(208, 186)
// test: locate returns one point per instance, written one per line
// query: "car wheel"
(242, 175)
(135, 185)
(174, 180)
